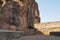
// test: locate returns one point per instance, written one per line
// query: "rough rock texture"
(17, 19)
(10, 14)
(48, 27)
(20, 14)
(9, 34)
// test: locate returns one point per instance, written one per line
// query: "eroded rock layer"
(18, 14)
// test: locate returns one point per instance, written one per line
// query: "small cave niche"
(36, 17)
(55, 33)
(31, 27)
(20, 0)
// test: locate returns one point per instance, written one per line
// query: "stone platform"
(9, 35)
(20, 35)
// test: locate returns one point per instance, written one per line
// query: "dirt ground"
(39, 37)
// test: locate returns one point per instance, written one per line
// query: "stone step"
(8, 35)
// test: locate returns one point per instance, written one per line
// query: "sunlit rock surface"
(48, 27)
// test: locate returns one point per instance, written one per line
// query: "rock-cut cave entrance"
(55, 33)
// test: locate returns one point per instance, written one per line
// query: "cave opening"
(55, 33)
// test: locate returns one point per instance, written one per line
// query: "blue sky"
(49, 10)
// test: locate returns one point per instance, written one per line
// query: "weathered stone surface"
(14, 35)
(10, 14)
(48, 27)
(39, 37)
(18, 14)
(9, 35)
(20, 35)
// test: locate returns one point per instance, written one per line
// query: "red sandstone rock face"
(21, 14)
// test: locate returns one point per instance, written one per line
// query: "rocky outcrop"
(18, 14)
(48, 27)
